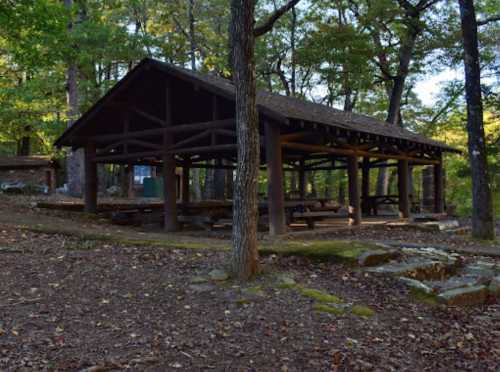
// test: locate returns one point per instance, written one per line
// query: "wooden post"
(403, 189)
(169, 177)
(365, 186)
(50, 175)
(185, 184)
(276, 199)
(438, 188)
(131, 181)
(354, 199)
(90, 193)
(302, 181)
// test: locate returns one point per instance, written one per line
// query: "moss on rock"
(363, 311)
(322, 308)
(319, 296)
(324, 250)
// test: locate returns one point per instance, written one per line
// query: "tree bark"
(75, 160)
(245, 213)
(395, 92)
(24, 145)
(192, 44)
(483, 226)
(293, 67)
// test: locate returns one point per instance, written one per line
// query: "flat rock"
(201, 288)
(285, 279)
(494, 287)
(198, 279)
(480, 268)
(464, 296)
(417, 268)
(455, 282)
(377, 257)
(416, 284)
(218, 275)
(441, 225)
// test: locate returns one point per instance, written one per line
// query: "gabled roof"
(280, 108)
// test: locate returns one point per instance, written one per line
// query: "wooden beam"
(302, 180)
(296, 135)
(276, 198)
(403, 189)
(129, 156)
(189, 140)
(149, 117)
(365, 186)
(354, 198)
(181, 128)
(131, 141)
(350, 152)
(204, 149)
(185, 184)
(90, 192)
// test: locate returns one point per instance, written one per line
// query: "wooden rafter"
(181, 128)
(353, 152)
(149, 117)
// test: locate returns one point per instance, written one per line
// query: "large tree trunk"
(395, 93)
(192, 43)
(245, 213)
(483, 226)
(75, 161)
(293, 67)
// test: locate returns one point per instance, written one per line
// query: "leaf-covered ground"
(68, 303)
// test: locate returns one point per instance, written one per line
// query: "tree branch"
(485, 21)
(269, 23)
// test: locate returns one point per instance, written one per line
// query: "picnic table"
(207, 213)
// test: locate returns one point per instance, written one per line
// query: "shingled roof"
(276, 106)
(299, 109)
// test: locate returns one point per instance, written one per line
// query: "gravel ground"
(71, 304)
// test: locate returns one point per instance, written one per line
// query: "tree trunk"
(483, 226)
(24, 145)
(192, 43)
(245, 212)
(395, 93)
(293, 67)
(75, 160)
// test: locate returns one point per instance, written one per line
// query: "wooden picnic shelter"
(163, 115)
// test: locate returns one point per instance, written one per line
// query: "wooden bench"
(311, 217)
(373, 202)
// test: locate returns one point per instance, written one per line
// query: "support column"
(130, 181)
(354, 199)
(185, 184)
(365, 186)
(90, 192)
(302, 180)
(403, 189)
(438, 188)
(169, 177)
(276, 199)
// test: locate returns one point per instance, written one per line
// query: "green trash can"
(153, 187)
